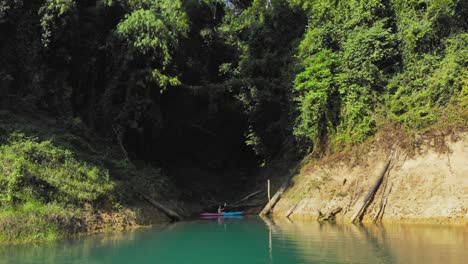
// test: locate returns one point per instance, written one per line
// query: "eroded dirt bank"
(428, 184)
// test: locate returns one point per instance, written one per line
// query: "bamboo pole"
(268, 186)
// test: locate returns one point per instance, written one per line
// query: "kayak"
(233, 213)
(223, 214)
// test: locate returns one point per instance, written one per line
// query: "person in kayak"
(220, 210)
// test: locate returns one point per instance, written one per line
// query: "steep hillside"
(58, 180)
(425, 183)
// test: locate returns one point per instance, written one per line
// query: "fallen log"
(242, 202)
(354, 196)
(330, 215)
(370, 195)
(290, 211)
(168, 212)
(247, 197)
(245, 205)
(378, 217)
(277, 195)
(384, 188)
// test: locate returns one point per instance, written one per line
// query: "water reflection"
(395, 243)
(255, 240)
(76, 250)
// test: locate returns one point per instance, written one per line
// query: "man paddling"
(220, 210)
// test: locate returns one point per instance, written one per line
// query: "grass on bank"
(43, 187)
(34, 221)
(51, 181)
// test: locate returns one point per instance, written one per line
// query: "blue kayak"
(233, 213)
(223, 214)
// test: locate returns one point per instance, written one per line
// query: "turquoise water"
(253, 240)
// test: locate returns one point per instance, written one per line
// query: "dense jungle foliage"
(208, 91)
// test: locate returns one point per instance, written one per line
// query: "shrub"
(39, 170)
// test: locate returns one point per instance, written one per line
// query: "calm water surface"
(253, 240)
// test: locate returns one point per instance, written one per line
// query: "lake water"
(253, 240)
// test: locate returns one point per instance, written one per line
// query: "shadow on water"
(254, 240)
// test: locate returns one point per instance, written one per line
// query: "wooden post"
(276, 197)
(270, 245)
(269, 197)
(266, 210)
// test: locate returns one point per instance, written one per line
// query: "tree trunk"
(378, 217)
(291, 210)
(246, 198)
(277, 196)
(370, 196)
(120, 141)
(168, 212)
